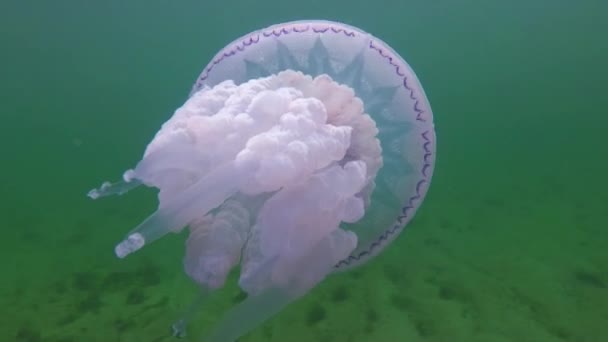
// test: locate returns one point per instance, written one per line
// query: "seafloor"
(513, 262)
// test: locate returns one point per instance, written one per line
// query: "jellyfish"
(302, 150)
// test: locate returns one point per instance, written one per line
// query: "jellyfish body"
(303, 149)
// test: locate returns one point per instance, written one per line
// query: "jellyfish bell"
(303, 149)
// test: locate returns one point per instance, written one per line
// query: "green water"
(510, 244)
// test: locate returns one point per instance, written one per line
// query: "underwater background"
(511, 243)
